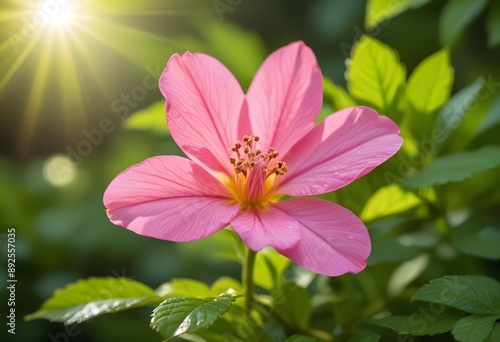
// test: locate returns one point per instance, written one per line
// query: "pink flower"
(246, 151)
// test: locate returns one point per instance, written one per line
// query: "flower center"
(255, 173)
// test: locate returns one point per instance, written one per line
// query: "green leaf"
(456, 15)
(220, 331)
(226, 285)
(272, 333)
(380, 10)
(184, 288)
(455, 168)
(85, 299)
(431, 321)
(406, 272)
(473, 328)
(364, 336)
(474, 294)
(494, 335)
(387, 201)
(269, 269)
(151, 118)
(176, 316)
(392, 322)
(197, 289)
(477, 239)
(293, 303)
(390, 250)
(302, 338)
(336, 96)
(420, 239)
(374, 74)
(429, 85)
(492, 118)
(454, 111)
(493, 24)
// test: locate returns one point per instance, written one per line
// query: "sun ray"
(89, 58)
(69, 82)
(35, 99)
(67, 46)
(23, 56)
(118, 37)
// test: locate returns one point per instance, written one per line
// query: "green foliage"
(293, 303)
(365, 336)
(184, 288)
(245, 55)
(452, 298)
(380, 10)
(473, 294)
(392, 322)
(180, 315)
(426, 323)
(477, 238)
(474, 328)
(429, 86)
(272, 332)
(456, 15)
(269, 269)
(92, 297)
(335, 96)
(493, 24)
(491, 119)
(300, 338)
(151, 119)
(494, 334)
(456, 167)
(387, 201)
(390, 250)
(406, 272)
(454, 111)
(374, 75)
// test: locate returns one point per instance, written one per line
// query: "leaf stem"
(247, 280)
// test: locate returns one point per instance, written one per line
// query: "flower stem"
(247, 280)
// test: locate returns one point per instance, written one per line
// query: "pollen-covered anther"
(279, 168)
(245, 158)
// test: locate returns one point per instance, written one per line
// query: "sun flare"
(62, 43)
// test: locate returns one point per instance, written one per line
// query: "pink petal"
(333, 240)
(273, 227)
(345, 146)
(169, 198)
(255, 183)
(285, 97)
(204, 102)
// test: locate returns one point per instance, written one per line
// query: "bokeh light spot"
(59, 170)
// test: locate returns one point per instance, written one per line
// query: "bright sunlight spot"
(59, 170)
(59, 14)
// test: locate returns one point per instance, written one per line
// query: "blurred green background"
(79, 104)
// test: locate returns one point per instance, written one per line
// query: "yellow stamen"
(245, 160)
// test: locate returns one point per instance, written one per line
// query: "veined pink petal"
(342, 148)
(273, 227)
(169, 198)
(255, 183)
(285, 97)
(333, 240)
(206, 109)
